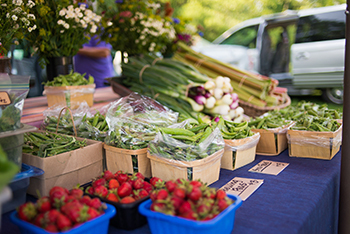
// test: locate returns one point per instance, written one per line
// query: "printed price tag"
(269, 167)
(4, 99)
(243, 187)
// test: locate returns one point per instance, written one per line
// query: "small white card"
(269, 167)
(243, 187)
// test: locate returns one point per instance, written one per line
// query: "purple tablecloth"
(303, 198)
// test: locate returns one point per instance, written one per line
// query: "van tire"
(333, 95)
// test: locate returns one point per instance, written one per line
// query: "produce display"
(252, 88)
(46, 144)
(232, 131)
(186, 142)
(182, 88)
(190, 200)
(318, 124)
(71, 79)
(269, 121)
(62, 210)
(134, 119)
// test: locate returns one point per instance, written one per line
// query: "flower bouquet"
(137, 27)
(15, 20)
(62, 28)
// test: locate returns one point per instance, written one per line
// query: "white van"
(304, 50)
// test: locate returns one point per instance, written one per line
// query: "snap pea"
(177, 131)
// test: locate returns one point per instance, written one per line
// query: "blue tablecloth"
(303, 198)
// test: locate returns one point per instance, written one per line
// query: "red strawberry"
(222, 204)
(195, 194)
(63, 222)
(127, 199)
(140, 175)
(27, 211)
(76, 192)
(77, 214)
(220, 194)
(147, 186)
(85, 200)
(58, 198)
(108, 175)
(176, 202)
(43, 204)
(156, 182)
(101, 191)
(97, 204)
(181, 181)
(51, 216)
(142, 193)
(124, 190)
(158, 206)
(185, 207)
(196, 183)
(122, 177)
(170, 185)
(112, 197)
(138, 183)
(51, 228)
(113, 184)
(153, 195)
(90, 190)
(75, 203)
(179, 192)
(39, 220)
(162, 194)
(209, 193)
(93, 213)
(189, 215)
(203, 210)
(99, 182)
(58, 188)
(117, 173)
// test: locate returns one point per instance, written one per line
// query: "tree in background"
(216, 16)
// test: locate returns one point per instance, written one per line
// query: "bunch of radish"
(189, 199)
(61, 210)
(216, 97)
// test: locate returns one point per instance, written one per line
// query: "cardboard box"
(206, 169)
(310, 144)
(70, 95)
(122, 159)
(240, 152)
(67, 169)
(272, 141)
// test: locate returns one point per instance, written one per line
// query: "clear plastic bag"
(242, 144)
(13, 91)
(165, 146)
(133, 121)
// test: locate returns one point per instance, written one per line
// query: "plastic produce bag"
(183, 147)
(133, 121)
(13, 91)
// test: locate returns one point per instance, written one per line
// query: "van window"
(244, 37)
(321, 27)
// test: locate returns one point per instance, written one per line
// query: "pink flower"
(126, 14)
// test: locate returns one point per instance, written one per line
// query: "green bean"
(177, 131)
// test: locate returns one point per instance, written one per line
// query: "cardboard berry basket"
(240, 152)
(310, 144)
(67, 169)
(162, 223)
(272, 141)
(70, 94)
(97, 225)
(206, 169)
(127, 160)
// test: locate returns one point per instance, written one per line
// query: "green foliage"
(216, 16)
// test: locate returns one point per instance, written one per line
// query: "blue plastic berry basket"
(98, 225)
(162, 223)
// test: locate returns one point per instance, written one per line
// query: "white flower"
(62, 31)
(60, 22)
(82, 6)
(153, 44)
(30, 4)
(109, 24)
(31, 16)
(34, 27)
(62, 12)
(82, 22)
(66, 25)
(30, 29)
(3, 4)
(70, 8)
(137, 41)
(7, 15)
(93, 29)
(17, 2)
(143, 43)
(77, 10)
(77, 20)
(80, 15)
(14, 17)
